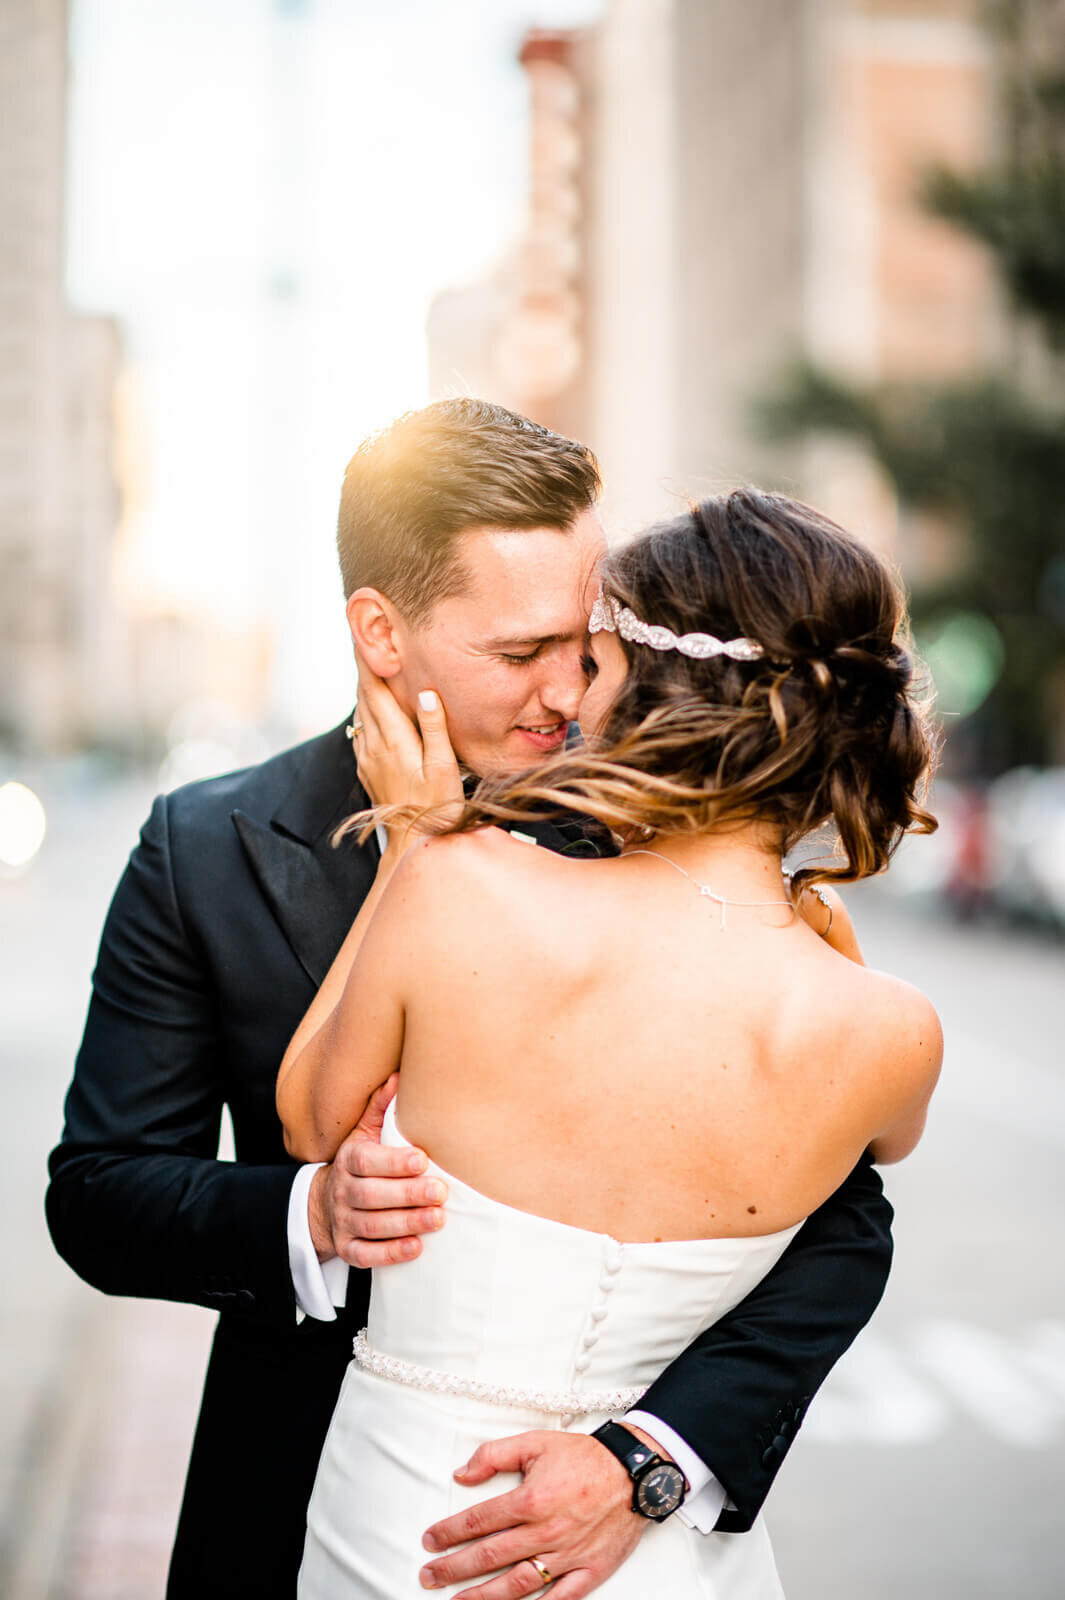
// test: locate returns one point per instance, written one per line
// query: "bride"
(637, 1074)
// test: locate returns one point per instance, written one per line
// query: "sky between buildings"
(267, 194)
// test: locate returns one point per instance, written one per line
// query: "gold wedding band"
(354, 730)
(545, 1576)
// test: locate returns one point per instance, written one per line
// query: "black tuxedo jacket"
(223, 925)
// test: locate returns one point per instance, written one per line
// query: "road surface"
(931, 1465)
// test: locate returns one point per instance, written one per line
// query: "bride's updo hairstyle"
(823, 727)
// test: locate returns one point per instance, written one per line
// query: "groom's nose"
(564, 681)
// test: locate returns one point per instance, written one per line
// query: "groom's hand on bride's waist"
(572, 1511)
(370, 1203)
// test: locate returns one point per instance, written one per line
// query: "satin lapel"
(313, 890)
(314, 893)
(567, 837)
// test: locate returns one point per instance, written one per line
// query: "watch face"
(660, 1491)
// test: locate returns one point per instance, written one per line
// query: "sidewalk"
(948, 1422)
(97, 1497)
(98, 1397)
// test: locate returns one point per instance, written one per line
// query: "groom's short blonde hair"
(412, 489)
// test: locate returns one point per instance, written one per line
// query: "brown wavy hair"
(829, 726)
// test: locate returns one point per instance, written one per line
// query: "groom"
(465, 535)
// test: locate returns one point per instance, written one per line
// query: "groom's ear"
(373, 621)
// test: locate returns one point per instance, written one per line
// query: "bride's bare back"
(596, 1041)
(587, 1041)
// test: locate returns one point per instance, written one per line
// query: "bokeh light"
(23, 825)
(965, 655)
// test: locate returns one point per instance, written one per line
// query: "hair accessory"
(609, 616)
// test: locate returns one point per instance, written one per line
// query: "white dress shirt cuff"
(706, 1497)
(320, 1286)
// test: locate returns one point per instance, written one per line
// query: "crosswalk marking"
(1044, 1356)
(874, 1395)
(913, 1389)
(981, 1373)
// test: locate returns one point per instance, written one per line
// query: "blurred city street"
(98, 1396)
(932, 1464)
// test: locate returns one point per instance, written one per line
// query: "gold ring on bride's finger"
(545, 1576)
(354, 730)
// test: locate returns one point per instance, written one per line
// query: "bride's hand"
(402, 763)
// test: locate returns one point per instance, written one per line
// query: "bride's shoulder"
(453, 861)
(905, 1023)
(478, 892)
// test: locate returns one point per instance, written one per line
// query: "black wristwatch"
(658, 1486)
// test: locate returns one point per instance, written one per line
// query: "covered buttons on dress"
(613, 1257)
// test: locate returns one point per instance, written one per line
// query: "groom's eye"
(520, 661)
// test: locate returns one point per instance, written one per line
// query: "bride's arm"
(399, 764)
(917, 1038)
(823, 908)
(916, 1047)
(310, 1038)
(323, 1069)
(351, 1039)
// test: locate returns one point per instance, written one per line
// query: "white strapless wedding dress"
(508, 1322)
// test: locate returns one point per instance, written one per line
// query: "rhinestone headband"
(609, 616)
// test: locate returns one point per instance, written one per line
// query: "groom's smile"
(506, 655)
(548, 738)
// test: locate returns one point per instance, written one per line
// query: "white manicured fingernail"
(427, 699)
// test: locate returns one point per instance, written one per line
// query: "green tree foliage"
(987, 454)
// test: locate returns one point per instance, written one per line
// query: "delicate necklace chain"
(705, 889)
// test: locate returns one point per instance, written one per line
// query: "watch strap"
(623, 1443)
(642, 1463)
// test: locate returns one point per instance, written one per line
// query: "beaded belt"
(555, 1402)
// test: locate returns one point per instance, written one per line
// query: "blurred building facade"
(61, 645)
(524, 335)
(87, 658)
(742, 186)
